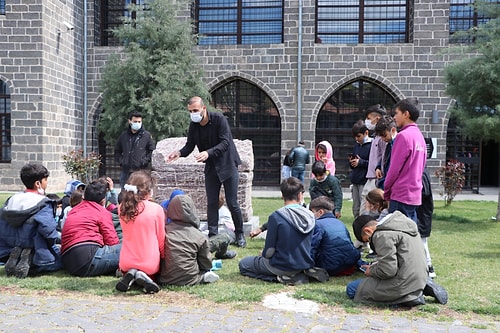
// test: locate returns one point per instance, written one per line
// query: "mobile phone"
(351, 156)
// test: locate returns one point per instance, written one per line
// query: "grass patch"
(464, 248)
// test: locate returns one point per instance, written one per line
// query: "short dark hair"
(31, 173)
(377, 108)
(410, 105)
(359, 128)
(318, 168)
(290, 188)
(384, 125)
(95, 191)
(134, 113)
(322, 202)
(359, 223)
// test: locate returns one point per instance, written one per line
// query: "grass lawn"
(464, 247)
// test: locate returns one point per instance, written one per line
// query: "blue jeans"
(298, 174)
(124, 177)
(408, 210)
(105, 260)
(352, 287)
(254, 267)
(212, 188)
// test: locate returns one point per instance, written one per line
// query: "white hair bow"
(130, 188)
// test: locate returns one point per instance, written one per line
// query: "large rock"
(188, 175)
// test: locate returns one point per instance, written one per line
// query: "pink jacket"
(403, 182)
(143, 242)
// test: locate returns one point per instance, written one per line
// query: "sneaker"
(319, 274)
(417, 301)
(142, 279)
(435, 290)
(432, 274)
(240, 240)
(10, 265)
(210, 277)
(23, 266)
(230, 254)
(295, 280)
(126, 281)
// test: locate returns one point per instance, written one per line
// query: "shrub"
(452, 178)
(81, 167)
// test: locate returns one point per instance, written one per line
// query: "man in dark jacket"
(299, 157)
(210, 132)
(134, 147)
(28, 233)
(286, 256)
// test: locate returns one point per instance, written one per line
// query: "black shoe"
(319, 274)
(230, 254)
(142, 279)
(295, 280)
(126, 281)
(10, 265)
(435, 290)
(240, 240)
(417, 301)
(23, 266)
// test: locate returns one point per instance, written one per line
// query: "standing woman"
(143, 225)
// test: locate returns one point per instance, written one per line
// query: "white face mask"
(369, 125)
(41, 191)
(136, 126)
(196, 117)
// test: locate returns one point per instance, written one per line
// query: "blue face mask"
(136, 126)
(196, 117)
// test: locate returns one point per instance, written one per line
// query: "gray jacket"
(400, 273)
(187, 251)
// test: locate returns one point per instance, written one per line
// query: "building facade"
(303, 72)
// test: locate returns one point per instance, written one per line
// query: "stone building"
(52, 54)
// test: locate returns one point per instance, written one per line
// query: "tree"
(156, 74)
(474, 80)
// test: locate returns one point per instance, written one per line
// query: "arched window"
(253, 115)
(341, 111)
(5, 142)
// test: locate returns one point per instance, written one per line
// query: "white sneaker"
(432, 274)
(210, 277)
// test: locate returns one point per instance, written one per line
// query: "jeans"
(212, 188)
(124, 177)
(298, 174)
(105, 260)
(255, 267)
(408, 210)
(352, 287)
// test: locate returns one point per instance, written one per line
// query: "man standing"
(134, 147)
(210, 132)
(403, 182)
(299, 158)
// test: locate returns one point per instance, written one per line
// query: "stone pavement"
(39, 313)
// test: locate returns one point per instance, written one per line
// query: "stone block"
(188, 175)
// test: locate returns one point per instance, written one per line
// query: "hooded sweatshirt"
(288, 239)
(400, 272)
(187, 251)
